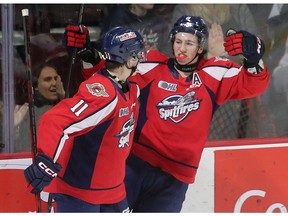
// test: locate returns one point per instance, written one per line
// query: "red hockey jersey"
(90, 135)
(175, 112)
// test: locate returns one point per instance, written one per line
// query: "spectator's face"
(186, 47)
(47, 83)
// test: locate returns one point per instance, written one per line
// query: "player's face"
(47, 83)
(186, 47)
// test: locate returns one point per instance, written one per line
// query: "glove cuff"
(90, 56)
(254, 68)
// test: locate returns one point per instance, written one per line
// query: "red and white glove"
(247, 44)
(76, 36)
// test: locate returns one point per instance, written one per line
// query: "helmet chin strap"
(133, 68)
(124, 84)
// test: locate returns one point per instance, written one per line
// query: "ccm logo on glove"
(47, 169)
(39, 174)
(258, 45)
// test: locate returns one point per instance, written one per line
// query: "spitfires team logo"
(124, 135)
(127, 36)
(97, 89)
(177, 107)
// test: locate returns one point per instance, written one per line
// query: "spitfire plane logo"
(177, 107)
(97, 89)
(124, 135)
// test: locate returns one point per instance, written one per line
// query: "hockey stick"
(30, 91)
(72, 60)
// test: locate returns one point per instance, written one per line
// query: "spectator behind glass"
(233, 119)
(48, 91)
(278, 60)
(19, 110)
(227, 15)
(48, 85)
(277, 31)
(141, 17)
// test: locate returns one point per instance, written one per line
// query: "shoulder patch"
(97, 89)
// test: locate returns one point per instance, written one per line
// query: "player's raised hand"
(76, 36)
(243, 42)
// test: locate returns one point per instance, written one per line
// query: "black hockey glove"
(41, 173)
(252, 48)
(91, 56)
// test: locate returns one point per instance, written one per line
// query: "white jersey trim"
(146, 67)
(221, 72)
(85, 123)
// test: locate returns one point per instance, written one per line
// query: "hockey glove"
(91, 56)
(76, 36)
(41, 173)
(242, 42)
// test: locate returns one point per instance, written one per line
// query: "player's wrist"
(254, 68)
(90, 57)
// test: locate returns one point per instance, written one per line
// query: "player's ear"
(132, 61)
(200, 50)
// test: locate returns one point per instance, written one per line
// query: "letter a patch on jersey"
(196, 81)
(97, 90)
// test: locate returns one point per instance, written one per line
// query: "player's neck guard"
(124, 84)
(186, 68)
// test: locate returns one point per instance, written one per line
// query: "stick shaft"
(72, 60)
(33, 132)
(25, 13)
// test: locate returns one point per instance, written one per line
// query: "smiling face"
(47, 83)
(186, 47)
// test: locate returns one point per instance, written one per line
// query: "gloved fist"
(91, 56)
(242, 42)
(76, 36)
(41, 173)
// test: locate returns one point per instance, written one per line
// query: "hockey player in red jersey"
(84, 141)
(178, 98)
